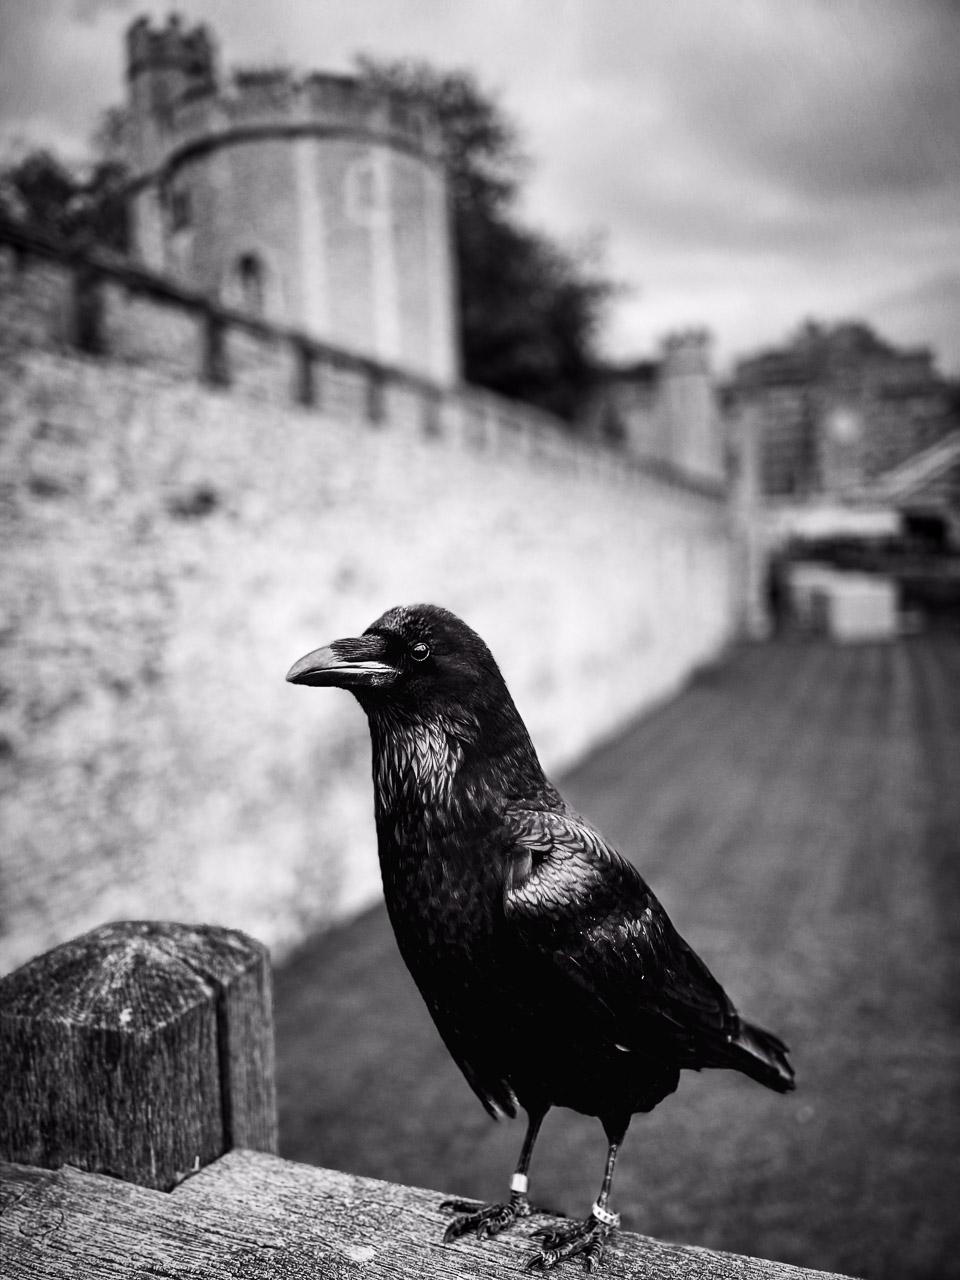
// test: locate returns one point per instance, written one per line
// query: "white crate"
(861, 607)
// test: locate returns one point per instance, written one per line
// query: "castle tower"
(163, 66)
(316, 203)
(689, 417)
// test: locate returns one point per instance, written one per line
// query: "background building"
(838, 407)
(663, 412)
(318, 203)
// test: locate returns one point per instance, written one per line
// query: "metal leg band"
(605, 1217)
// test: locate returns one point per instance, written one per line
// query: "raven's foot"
(586, 1239)
(488, 1220)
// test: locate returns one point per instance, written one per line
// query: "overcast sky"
(747, 163)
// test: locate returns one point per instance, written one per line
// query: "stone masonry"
(190, 498)
(170, 549)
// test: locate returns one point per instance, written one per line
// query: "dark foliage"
(529, 308)
(86, 209)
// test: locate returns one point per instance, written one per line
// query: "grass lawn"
(797, 811)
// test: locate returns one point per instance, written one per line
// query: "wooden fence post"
(141, 1049)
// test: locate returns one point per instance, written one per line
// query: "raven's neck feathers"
(416, 761)
(450, 763)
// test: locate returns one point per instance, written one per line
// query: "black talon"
(549, 1237)
(587, 1238)
(488, 1220)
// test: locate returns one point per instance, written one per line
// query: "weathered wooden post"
(141, 1049)
(145, 1051)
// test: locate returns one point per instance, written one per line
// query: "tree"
(529, 308)
(87, 209)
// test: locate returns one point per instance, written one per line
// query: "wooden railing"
(144, 1051)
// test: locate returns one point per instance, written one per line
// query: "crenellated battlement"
(687, 351)
(63, 300)
(170, 47)
(189, 494)
(177, 103)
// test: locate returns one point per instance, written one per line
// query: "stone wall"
(171, 547)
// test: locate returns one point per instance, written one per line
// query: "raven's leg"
(588, 1237)
(492, 1218)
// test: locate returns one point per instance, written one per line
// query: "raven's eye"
(419, 652)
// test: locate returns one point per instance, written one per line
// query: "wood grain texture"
(141, 1049)
(256, 1217)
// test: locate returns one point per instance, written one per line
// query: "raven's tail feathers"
(762, 1056)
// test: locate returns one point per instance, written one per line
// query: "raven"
(552, 972)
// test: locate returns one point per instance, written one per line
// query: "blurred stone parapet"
(189, 496)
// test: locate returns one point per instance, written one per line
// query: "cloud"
(762, 161)
(933, 306)
(86, 11)
(58, 71)
(826, 97)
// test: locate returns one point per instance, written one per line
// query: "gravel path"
(797, 810)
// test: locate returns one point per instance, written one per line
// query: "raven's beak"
(359, 663)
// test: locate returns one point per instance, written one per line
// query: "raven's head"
(437, 704)
(418, 656)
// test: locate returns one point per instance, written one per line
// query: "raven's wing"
(583, 915)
